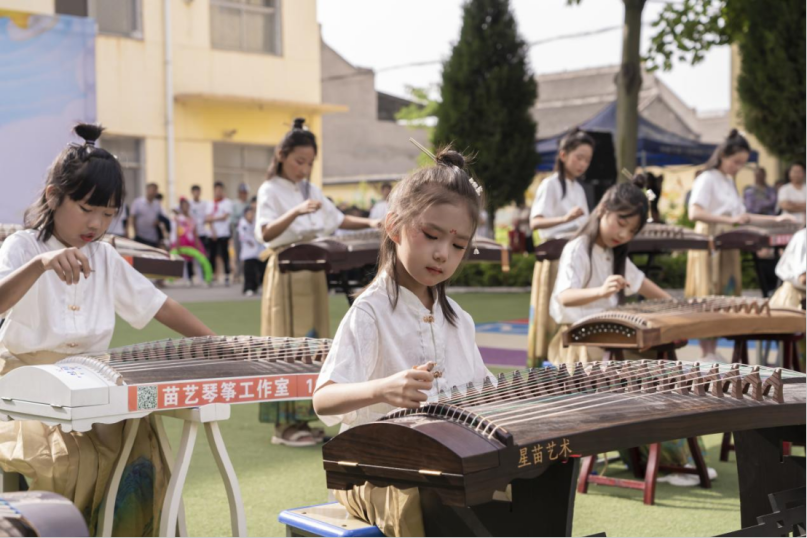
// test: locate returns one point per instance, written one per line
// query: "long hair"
(79, 171)
(447, 182)
(733, 144)
(627, 200)
(576, 138)
(299, 136)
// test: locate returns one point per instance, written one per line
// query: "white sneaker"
(682, 480)
(249, 293)
(711, 472)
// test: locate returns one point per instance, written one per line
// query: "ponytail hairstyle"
(733, 144)
(299, 136)
(82, 172)
(628, 199)
(446, 182)
(576, 138)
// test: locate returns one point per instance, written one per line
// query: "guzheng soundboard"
(653, 323)
(133, 381)
(359, 249)
(653, 239)
(475, 441)
(150, 261)
(754, 238)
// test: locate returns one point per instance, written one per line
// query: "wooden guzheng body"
(39, 513)
(358, 249)
(529, 430)
(653, 239)
(133, 381)
(754, 238)
(655, 323)
(150, 261)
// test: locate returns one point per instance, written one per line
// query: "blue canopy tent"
(656, 146)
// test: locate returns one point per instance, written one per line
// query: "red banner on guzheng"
(239, 390)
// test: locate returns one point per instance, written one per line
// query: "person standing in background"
(760, 198)
(145, 215)
(239, 206)
(218, 216)
(379, 209)
(199, 212)
(793, 195)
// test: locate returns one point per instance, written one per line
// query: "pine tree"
(487, 92)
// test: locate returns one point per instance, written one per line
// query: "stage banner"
(47, 84)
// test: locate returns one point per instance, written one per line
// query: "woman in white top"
(404, 342)
(559, 210)
(792, 271)
(595, 272)
(290, 210)
(716, 206)
(792, 196)
(60, 290)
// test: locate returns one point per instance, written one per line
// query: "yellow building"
(226, 76)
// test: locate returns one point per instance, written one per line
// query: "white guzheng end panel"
(134, 381)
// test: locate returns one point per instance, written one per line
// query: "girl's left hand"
(375, 223)
(786, 217)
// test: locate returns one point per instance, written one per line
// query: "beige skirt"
(78, 465)
(396, 512)
(716, 272)
(542, 327)
(787, 296)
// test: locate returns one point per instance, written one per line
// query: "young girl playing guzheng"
(60, 290)
(291, 210)
(716, 206)
(403, 342)
(559, 210)
(792, 271)
(595, 273)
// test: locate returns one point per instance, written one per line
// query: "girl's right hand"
(309, 206)
(573, 213)
(406, 388)
(745, 218)
(68, 264)
(613, 284)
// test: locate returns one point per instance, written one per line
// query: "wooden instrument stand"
(172, 520)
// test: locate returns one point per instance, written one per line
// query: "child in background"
(250, 252)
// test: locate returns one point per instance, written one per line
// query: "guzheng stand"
(172, 520)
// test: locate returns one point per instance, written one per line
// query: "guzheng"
(754, 238)
(653, 323)
(359, 249)
(653, 239)
(133, 381)
(150, 261)
(528, 429)
(39, 513)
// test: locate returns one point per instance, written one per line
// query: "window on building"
(115, 17)
(247, 25)
(129, 152)
(234, 164)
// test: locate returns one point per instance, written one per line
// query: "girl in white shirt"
(716, 206)
(792, 196)
(404, 342)
(792, 271)
(60, 289)
(291, 210)
(559, 210)
(595, 272)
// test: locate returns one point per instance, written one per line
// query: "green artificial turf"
(274, 478)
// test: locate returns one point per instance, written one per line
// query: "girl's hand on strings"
(309, 206)
(613, 284)
(68, 264)
(407, 388)
(786, 217)
(573, 213)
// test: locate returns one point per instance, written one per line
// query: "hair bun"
(734, 133)
(450, 157)
(299, 123)
(640, 181)
(89, 132)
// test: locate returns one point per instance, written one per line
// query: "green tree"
(770, 37)
(486, 96)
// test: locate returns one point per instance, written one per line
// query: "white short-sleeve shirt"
(277, 195)
(793, 262)
(789, 193)
(550, 203)
(199, 212)
(375, 340)
(53, 316)
(716, 193)
(250, 248)
(220, 208)
(576, 270)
